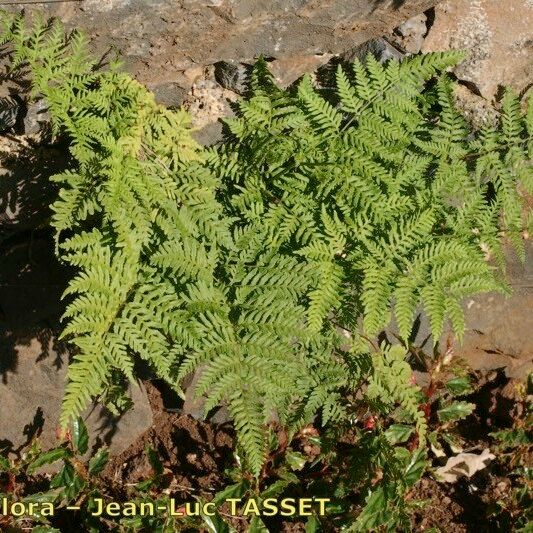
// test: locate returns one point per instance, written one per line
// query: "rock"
(39, 364)
(380, 48)
(159, 39)
(519, 371)
(207, 103)
(411, 33)
(478, 111)
(36, 118)
(233, 76)
(32, 281)
(169, 94)
(194, 406)
(10, 109)
(25, 187)
(289, 69)
(210, 134)
(32, 359)
(498, 37)
(286, 70)
(119, 432)
(422, 379)
(499, 327)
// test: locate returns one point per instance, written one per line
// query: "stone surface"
(195, 407)
(411, 33)
(31, 282)
(161, 39)
(208, 102)
(33, 363)
(380, 48)
(497, 35)
(36, 118)
(169, 94)
(232, 76)
(10, 109)
(287, 70)
(478, 111)
(210, 134)
(25, 187)
(498, 327)
(33, 369)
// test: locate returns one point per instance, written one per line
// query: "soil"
(195, 455)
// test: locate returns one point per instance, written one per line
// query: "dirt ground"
(195, 455)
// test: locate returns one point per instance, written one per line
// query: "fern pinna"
(264, 264)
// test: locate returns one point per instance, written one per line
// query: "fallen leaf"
(464, 464)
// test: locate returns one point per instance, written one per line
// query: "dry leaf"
(464, 464)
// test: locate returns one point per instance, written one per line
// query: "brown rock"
(158, 40)
(33, 377)
(499, 327)
(288, 69)
(498, 37)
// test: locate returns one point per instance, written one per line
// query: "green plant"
(373, 198)
(75, 484)
(269, 265)
(137, 192)
(515, 447)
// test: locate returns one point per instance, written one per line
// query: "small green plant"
(515, 447)
(74, 495)
(75, 484)
(269, 265)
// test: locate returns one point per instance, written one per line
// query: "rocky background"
(196, 54)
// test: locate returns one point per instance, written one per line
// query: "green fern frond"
(243, 263)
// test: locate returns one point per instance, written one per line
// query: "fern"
(390, 385)
(262, 264)
(378, 196)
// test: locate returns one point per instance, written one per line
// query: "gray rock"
(194, 406)
(33, 363)
(36, 118)
(33, 377)
(25, 187)
(31, 283)
(233, 76)
(169, 94)
(207, 103)
(381, 49)
(412, 33)
(210, 134)
(10, 109)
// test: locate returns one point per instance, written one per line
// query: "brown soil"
(193, 453)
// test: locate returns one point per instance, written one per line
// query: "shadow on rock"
(26, 190)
